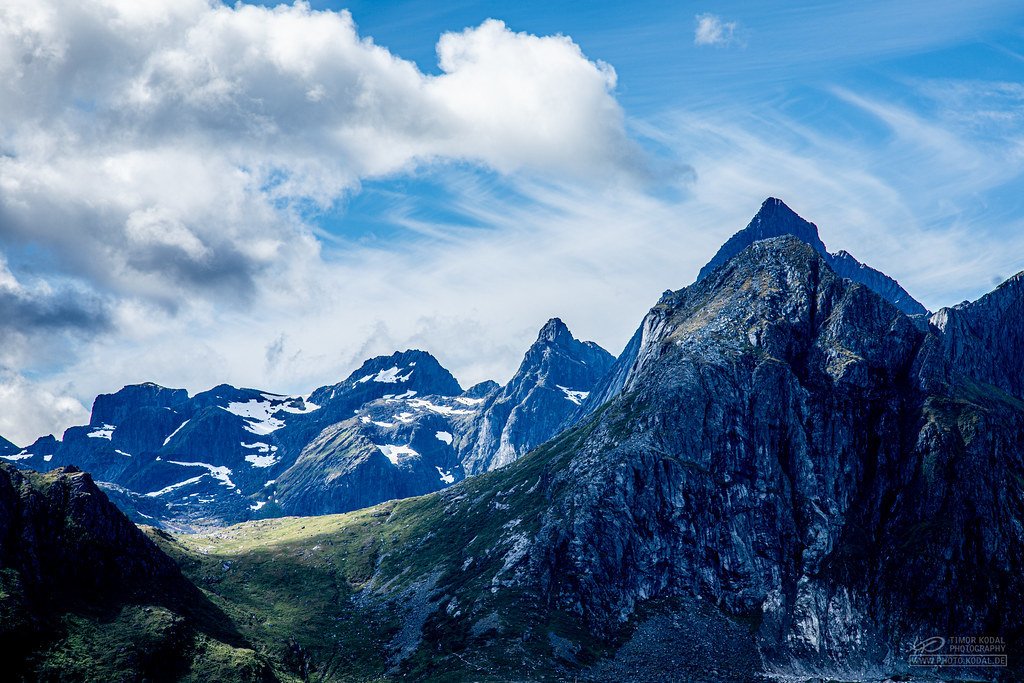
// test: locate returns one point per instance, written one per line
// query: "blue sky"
(830, 78)
(193, 192)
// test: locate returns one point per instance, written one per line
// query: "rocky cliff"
(796, 479)
(777, 453)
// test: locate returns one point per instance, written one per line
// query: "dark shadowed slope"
(86, 595)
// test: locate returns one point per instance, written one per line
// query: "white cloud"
(28, 410)
(158, 154)
(712, 30)
(158, 147)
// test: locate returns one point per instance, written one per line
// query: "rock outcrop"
(793, 461)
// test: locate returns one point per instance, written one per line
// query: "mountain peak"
(414, 369)
(773, 219)
(776, 219)
(553, 330)
(556, 374)
(114, 408)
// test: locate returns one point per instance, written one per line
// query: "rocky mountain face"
(984, 340)
(775, 219)
(398, 426)
(784, 451)
(796, 479)
(554, 379)
(59, 536)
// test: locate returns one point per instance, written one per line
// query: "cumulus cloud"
(160, 145)
(713, 30)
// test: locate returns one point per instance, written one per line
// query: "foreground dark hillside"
(85, 595)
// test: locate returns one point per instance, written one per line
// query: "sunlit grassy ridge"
(403, 588)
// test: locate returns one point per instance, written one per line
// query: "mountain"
(394, 447)
(555, 377)
(775, 219)
(984, 340)
(41, 450)
(7, 448)
(409, 444)
(398, 426)
(796, 480)
(191, 462)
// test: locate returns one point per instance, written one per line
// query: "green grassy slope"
(402, 589)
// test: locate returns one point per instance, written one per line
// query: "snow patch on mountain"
(392, 398)
(261, 461)
(259, 446)
(259, 416)
(446, 477)
(576, 397)
(394, 453)
(289, 406)
(440, 410)
(24, 455)
(392, 376)
(167, 489)
(104, 432)
(171, 435)
(218, 472)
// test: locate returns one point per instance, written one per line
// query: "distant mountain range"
(399, 426)
(788, 474)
